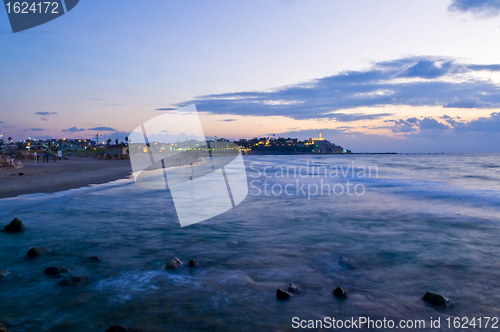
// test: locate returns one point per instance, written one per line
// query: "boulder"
(340, 292)
(76, 280)
(37, 251)
(174, 264)
(293, 288)
(15, 226)
(3, 273)
(3, 329)
(55, 271)
(193, 263)
(437, 299)
(94, 259)
(283, 295)
(117, 328)
(347, 263)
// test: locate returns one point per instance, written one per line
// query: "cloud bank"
(413, 81)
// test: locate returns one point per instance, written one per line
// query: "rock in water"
(340, 292)
(174, 264)
(117, 328)
(283, 295)
(3, 329)
(15, 226)
(193, 263)
(4, 273)
(437, 299)
(37, 251)
(77, 280)
(94, 259)
(55, 271)
(293, 288)
(347, 263)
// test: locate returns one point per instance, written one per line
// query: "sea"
(387, 228)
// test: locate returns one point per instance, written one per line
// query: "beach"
(62, 175)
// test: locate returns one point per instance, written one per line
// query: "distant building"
(117, 150)
(321, 145)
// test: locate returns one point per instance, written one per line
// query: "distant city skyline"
(385, 76)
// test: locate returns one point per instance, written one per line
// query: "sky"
(373, 76)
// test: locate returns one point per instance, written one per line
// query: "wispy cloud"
(166, 109)
(481, 7)
(37, 129)
(413, 81)
(45, 113)
(103, 128)
(73, 130)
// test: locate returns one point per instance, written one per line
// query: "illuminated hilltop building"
(321, 145)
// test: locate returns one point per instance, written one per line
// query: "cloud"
(402, 126)
(229, 120)
(1, 122)
(37, 129)
(484, 67)
(481, 7)
(45, 113)
(470, 102)
(489, 124)
(431, 124)
(412, 81)
(102, 129)
(428, 69)
(73, 130)
(454, 125)
(166, 109)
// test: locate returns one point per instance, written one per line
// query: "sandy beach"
(61, 175)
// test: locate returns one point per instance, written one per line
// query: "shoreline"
(60, 176)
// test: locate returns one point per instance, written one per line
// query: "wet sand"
(61, 175)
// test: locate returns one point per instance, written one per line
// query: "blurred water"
(426, 223)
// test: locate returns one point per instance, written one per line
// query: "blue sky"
(419, 76)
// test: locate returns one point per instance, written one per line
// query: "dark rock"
(193, 263)
(21, 174)
(174, 264)
(15, 226)
(347, 263)
(283, 295)
(37, 251)
(437, 299)
(3, 329)
(55, 271)
(94, 259)
(3, 273)
(293, 288)
(340, 292)
(117, 328)
(77, 280)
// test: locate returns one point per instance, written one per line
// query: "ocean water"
(417, 223)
